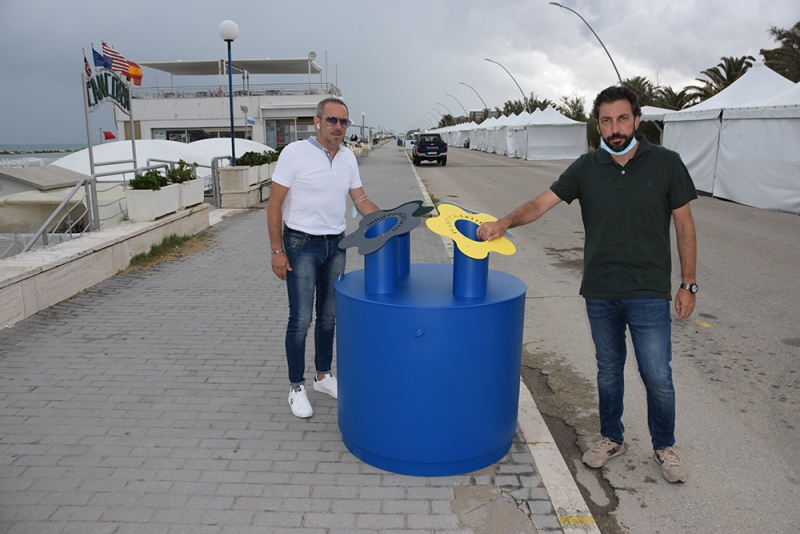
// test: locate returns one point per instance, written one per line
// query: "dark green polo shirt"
(626, 216)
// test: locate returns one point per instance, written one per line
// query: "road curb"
(568, 503)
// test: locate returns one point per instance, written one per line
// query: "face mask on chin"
(627, 149)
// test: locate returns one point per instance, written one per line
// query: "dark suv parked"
(430, 147)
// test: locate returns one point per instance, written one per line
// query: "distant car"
(430, 147)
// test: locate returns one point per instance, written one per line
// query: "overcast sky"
(393, 60)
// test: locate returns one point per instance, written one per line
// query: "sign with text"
(106, 85)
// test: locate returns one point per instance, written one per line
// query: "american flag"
(118, 62)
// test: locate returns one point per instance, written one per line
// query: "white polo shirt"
(318, 186)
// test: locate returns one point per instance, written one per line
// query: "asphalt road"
(735, 360)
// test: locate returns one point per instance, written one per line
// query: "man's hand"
(489, 231)
(684, 303)
(280, 265)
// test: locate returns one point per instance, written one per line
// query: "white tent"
(694, 132)
(759, 155)
(652, 113)
(517, 124)
(499, 144)
(480, 136)
(551, 135)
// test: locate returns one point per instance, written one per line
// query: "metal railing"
(73, 216)
(207, 91)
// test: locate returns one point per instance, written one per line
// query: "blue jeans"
(650, 325)
(316, 262)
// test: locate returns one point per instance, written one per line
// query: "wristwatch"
(690, 287)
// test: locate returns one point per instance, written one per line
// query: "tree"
(668, 98)
(573, 107)
(644, 89)
(785, 60)
(725, 73)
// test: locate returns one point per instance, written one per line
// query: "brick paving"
(156, 402)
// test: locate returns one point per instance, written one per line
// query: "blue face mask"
(605, 147)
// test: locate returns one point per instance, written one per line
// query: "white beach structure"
(278, 113)
(695, 132)
(758, 160)
(551, 135)
(517, 136)
(499, 131)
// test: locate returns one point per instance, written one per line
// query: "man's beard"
(618, 142)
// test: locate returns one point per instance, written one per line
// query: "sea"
(31, 155)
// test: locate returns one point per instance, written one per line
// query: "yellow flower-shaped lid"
(445, 225)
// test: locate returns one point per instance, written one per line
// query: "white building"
(280, 112)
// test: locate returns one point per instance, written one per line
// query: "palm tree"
(573, 107)
(725, 73)
(785, 60)
(534, 103)
(644, 89)
(668, 98)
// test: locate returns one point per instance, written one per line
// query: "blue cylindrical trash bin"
(429, 380)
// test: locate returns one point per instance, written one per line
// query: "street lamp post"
(524, 98)
(435, 121)
(459, 103)
(479, 96)
(363, 118)
(595, 34)
(445, 108)
(229, 31)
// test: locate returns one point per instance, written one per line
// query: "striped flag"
(118, 62)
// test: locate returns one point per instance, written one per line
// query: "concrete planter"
(234, 179)
(145, 205)
(252, 175)
(271, 169)
(191, 193)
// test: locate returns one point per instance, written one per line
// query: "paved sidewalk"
(155, 402)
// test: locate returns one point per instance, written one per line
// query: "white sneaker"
(327, 385)
(298, 400)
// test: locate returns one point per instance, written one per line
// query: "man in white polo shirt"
(306, 220)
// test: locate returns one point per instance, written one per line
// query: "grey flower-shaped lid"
(407, 217)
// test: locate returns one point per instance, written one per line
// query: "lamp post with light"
(459, 103)
(524, 98)
(445, 108)
(485, 107)
(595, 34)
(229, 31)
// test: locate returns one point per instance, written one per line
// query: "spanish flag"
(134, 73)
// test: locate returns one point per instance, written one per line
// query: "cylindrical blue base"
(429, 381)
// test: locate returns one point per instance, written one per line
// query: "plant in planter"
(191, 188)
(254, 160)
(151, 196)
(151, 179)
(182, 172)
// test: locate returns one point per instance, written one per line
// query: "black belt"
(328, 236)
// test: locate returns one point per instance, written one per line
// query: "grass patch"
(168, 246)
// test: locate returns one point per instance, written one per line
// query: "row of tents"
(543, 134)
(743, 144)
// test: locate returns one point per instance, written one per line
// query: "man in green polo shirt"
(629, 190)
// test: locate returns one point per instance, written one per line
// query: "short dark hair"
(330, 100)
(613, 94)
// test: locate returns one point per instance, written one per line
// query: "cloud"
(392, 60)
